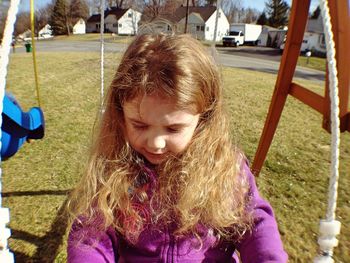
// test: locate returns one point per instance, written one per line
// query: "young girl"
(164, 182)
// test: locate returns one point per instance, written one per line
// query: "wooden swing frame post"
(340, 19)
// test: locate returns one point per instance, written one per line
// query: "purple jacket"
(261, 245)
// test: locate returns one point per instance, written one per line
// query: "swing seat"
(19, 126)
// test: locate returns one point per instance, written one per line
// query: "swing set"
(17, 126)
(333, 106)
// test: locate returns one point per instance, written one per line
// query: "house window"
(120, 25)
(207, 28)
(199, 28)
(115, 25)
(219, 14)
(129, 15)
(81, 22)
(97, 26)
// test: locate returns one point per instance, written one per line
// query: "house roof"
(118, 12)
(197, 15)
(94, 18)
(204, 11)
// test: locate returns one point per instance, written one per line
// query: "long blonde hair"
(201, 186)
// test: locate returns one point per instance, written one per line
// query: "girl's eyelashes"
(142, 127)
(173, 130)
(139, 126)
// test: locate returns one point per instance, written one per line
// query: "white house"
(79, 27)
(45, 32)
(314, 35)
(117, 20)
(122, 21)
(26, 35)
(201, 22)
(313, 39)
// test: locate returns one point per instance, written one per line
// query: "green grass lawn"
(312, 62)
(37, 179)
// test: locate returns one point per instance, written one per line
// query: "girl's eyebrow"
(136, 120)
(170, 125)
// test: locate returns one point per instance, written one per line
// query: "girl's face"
(156, 129)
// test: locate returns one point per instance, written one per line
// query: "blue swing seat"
(18, 126)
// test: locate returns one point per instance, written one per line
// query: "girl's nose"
(156, 142)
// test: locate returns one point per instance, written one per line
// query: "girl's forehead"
(145, 106)
(153, 99)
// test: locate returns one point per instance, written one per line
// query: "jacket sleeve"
(263, 244)
(86, 244)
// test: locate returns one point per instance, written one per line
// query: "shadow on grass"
(31, 193)
(48, 245)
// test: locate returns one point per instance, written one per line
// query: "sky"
(257, 4)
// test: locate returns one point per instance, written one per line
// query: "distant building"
(314, 38)
(116, 20)
(93, 24)
(45, 32)
(314, 35)
(200, 22)
(25, 36)
(271, 37)
(79, 27)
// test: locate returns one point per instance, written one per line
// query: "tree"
(115, 3)
(59, 19)
(152, 9)
(3, 13)
(64, 15)
(78, 9)
(278, 12)
(262, 20)
(250, 15)
(316, 13)
(234, 10)
(22, 23)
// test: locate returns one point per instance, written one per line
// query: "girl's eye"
(139, 127)
(173, 130)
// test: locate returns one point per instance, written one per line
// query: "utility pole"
(187, 8)
(216, 20)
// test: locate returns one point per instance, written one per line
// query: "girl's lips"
(154, 157)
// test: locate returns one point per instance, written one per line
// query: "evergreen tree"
(278, 11)
(59, 20)
(262, 20)
(316, 13)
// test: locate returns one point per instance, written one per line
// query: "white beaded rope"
(5, 255)
(330, 228)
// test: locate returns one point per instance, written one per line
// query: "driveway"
(265, 53)
(255, 58)
(263, 59)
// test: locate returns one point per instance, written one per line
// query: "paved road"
(252, 58)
